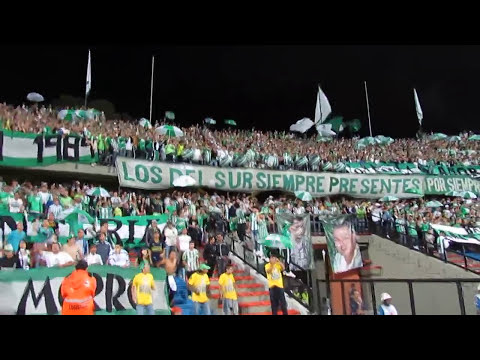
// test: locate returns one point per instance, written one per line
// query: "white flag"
(89, 76)
(323, 108)
(417, 106)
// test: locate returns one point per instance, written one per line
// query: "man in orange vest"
(78, 291)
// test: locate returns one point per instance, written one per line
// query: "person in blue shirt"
(180, 299)
(16, 236)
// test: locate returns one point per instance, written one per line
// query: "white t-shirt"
(94, 259)
(45, 196)
(122, 259)
(184, 241)
(60, 258)
(15, 205)
(171, 236)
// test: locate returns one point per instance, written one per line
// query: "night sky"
(269, 87)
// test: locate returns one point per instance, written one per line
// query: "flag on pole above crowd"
(89, 76)
(323, 108)
(418, 107)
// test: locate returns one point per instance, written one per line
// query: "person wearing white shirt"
(56, 257)
(15, 205)
(184, 241)
(119, 256)
(386, 308)
(55, 208)
(171, 235)
(93, 258)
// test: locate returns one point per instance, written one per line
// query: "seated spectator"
(156, 248)
(56, 257)
(119, 256)
(9, 260)
(55, 208)
(93, 258)
(24, 260)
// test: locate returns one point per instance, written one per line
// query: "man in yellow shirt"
(274, 271)
(142, 287)
(228, 291)
(199, 285)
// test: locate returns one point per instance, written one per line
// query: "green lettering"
(247, 180)
(352, 189)
(365, 186)
(230, 180)
(385, 186)
(220, 177)
(289, 183)
(200, 178)
(157, 179)
(373, 189)
(343, 185)
(320, 184)
(261, 180)
(333, 182)
(172, 175)
(276, 181)
(125, 172)
(416, 183)
(299, 180)
(406, 183)
(141, 177)
(397, 183)
(311, 183)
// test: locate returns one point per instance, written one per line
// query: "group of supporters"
(241, 148)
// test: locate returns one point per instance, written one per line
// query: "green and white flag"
(169, 130)
(418, 107)
(230, 122)
(145, 123)
(88, 87)
(322, 108)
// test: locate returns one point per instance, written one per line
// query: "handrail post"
(344, 306)
(460, 297)
(374, 301)
(412, 299)
(464, 257)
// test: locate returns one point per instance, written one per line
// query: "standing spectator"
(78, 290)
(35, 202)
(183, 245)
(104, 248)
(190, 259)
(81, 242)
(55, 208)
(357, 306)
(274, 271)
(241, 222)
(93, 258)
(386, 308)
(222, 250)
(119, 256)
(195, 233)
(199, 284)
(171, 235)
(16, 236)
(228, 292)
(72, 249)
(15, 205)
(24, 260)
(156, 249)
(150, 232)
(143, 285)
(210, 255)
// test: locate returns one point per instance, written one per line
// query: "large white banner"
(159, 175)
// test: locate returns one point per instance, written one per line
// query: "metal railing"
(419, 243)
(370, 291)
(245, 251)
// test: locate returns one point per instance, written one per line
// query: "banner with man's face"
(342, 243)
(297, 228)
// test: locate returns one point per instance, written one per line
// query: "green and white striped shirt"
(191, 257)
(241, 216)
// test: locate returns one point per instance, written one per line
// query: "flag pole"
(89, 79)
(368, 108)
(151, 89)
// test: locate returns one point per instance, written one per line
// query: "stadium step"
(252, 307)
(249, 296)
(290, 312)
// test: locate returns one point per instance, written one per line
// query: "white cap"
(8, 247)
(385, 296)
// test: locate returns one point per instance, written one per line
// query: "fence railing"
(371, 300)
(386, 229)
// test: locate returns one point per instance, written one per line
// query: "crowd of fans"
(237, 148)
